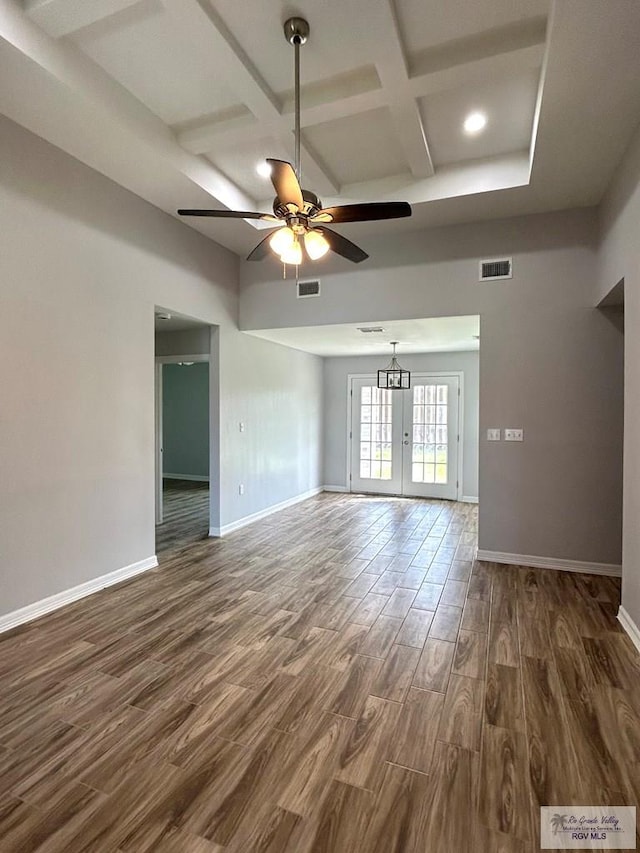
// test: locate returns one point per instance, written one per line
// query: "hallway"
(185, 514)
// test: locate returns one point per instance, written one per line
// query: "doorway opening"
(407, 442)
(182, 412)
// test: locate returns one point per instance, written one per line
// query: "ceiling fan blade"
(230, 214)
(341, 246)
(286, 184)
(261, 250)
(363, 212)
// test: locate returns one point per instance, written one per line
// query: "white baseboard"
(629, 626)
(197, 478)
(53, 602)
(556, 563)
(217, 532)
(335, 488)
(469, 499)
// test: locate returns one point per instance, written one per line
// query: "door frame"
(160, 360)
(459, 374)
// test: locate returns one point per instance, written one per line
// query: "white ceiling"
(508, 104)
(434, 334)
(178, 99)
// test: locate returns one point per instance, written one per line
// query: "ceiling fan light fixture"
(282, 240)
(316, 245)
(292, 255)
(263, 169)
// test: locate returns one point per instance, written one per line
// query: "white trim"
(335, 488)
(198, 478)
(179, 359)
(53, 602)
(217, 532)
(629, 626)
(469, 499)
(557, 563)
(158, 444)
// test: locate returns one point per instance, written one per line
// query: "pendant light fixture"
(394, 377)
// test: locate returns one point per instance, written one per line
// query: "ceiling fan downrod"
(296, 32)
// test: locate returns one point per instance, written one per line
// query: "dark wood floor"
(185, 506)
(338, 678)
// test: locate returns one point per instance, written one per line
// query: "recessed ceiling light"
(263, 169)
(474, 123)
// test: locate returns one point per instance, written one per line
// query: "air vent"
(495, 268)
(367, 330)
(308, 288)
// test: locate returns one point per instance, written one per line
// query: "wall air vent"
(496, 268)
(367, 330)
(308, 288)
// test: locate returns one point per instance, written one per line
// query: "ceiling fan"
(298, 212)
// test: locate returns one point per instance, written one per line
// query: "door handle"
(405, 442)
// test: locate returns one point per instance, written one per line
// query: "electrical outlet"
(241, 426)
(514, 435)
(493, 435)
(241, 489)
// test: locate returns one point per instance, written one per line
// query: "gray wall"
(336, 371)
(276, 392)
(619, 258)
(185, 419)
(549, 363)
(83, 264)
(195, 341)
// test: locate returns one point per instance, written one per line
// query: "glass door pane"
(431, 437)
(376, 413)
(376, 436)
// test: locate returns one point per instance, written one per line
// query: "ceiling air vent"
(495, 268)
(308, 288)
(367, 330)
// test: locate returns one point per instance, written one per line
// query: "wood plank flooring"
(340, 677)
(185, 506)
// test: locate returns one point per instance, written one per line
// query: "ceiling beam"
(496, 67)
(202, 138)
(394, 75)
(244, 79)
(53, 89)
(62, 17)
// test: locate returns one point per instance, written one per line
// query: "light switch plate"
(493, 435)
(514, 435)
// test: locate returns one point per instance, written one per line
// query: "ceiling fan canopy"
(301, 219)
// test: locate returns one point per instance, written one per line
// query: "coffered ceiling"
(178, 100)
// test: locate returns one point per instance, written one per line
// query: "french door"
(406, 442)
